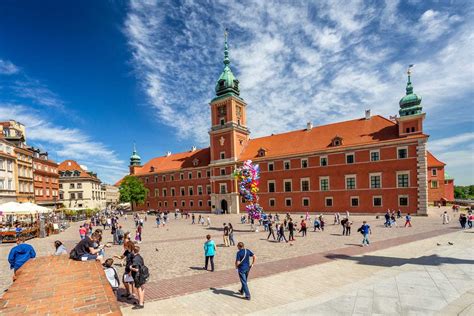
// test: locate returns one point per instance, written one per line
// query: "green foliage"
(132, 190)
(464, 192)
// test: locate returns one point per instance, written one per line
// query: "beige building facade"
(112, 195)
(8, 176)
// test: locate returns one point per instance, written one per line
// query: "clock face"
(221, 110)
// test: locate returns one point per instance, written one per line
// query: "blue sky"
(89, 78)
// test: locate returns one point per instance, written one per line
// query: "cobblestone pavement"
(417, 278)
(176, 250)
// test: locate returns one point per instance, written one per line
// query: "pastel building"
(365, 165)
(8, 176)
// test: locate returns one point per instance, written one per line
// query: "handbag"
(127, 278)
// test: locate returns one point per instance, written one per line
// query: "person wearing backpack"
(111, 274)
(365, 231)
(140, 276)
(243, 265)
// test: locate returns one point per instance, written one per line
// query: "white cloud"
(8, 68)
(448, 142)
(37, 92)
(432, 24)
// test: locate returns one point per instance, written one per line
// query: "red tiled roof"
(71, 165)
(433, 161)
(353, 132)
(177, 161)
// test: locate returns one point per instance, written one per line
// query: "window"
(403, 179)
(305, 201)
(208, 173)
(79, 185)
(200, 203)
(183, 191)
(403, 200)
(377, 201)
(163, 178)
(209, 203)
(434, 184)
(402, 152)
(164, 192)
(146, 180)
(175, 204)
(190, 190)
(2, 185)
(166, 203)
(199, 175)
(350, 158)
(73, 196)
(222, 121)
(190, 175)
(222, 154)
(374, 155)
(173, 192)
(181, 176)
(328, 201)
(286, 165)
(271, 202)
(157, 192)
(324, 183)
(79, 195)
(287, 185)
(159, 204)
(375, 181)
(183, 203)
(199, 189)
(271, 186)
(304, 163)
(208, 189)
(60, 185)
(305, 184)
(350, 182)
(323, 161)
(434, 172)
(61, 195)
(354, 201)
(191, 203)
(288, 202)
(222, 188)
(271, 167)
(222, 171)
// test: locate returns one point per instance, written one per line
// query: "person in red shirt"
(82, 232)
(303, 228)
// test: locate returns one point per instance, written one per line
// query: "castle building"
(365, 165)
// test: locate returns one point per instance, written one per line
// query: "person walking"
(348, 227)
(281, 233)
(209, 252)
(226, 235)
(303, 228)
(19, 255)
(291, 230)
(365, 231)
(271, 232)
(139, 275)
(193, 218)
(470, 219)
(231, 235)
(343, 224)
(243, 265)
(408, 220)
(208, 221)
(445, 217)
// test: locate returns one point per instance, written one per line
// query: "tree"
(133, 191)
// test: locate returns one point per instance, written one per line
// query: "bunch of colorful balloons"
(247, 177)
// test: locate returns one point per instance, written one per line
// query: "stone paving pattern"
(59, 286)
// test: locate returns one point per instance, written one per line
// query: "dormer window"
(336, 141)
(152, 169)
(262, 152)
(221, 84)
(195, 162)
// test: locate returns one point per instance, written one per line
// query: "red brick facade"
(46, 179)
(439, 187)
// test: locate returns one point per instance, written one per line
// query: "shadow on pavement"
(197, 268)
(225, 292)
(433, 260)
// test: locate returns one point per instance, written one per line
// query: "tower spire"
(227, 83)
(409, 88)
(226, 48)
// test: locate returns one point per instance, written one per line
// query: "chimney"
(309, 126)
(367, 114)
(193, 148)
(168, 153)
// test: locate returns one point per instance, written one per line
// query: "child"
(111, 274)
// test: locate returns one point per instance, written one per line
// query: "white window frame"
(200, 203)
(222, 155)
(350, 176)
(434, 172)
(303, 199)
(173, 191)
(404, 196)
(199, 190)
(220, 171)
(291, 202)
(183, 203)
(208, 189)
(320, 161)
(354, 158)
(270, 202)
(354, 197)
(398, 154)
(437, 184)
(284, 185)
(157, 192)
(164, 192)
(407, 172)
(268, 186)
(370, 179)
(329, 183)
(373, 200)
(326, 199)
(374, 151)
(190, 175)
(301, 184)
(190, 188)
(307, 163)
(289, 164)
(181, 189)
(221, 185)
(273, 166)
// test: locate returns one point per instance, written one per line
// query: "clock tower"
(228, 137)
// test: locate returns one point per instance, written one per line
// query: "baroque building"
(365, 165)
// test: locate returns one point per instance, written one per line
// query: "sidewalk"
(414, 278)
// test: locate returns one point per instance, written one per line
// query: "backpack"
(361, 229)
(144, 274)
(74, 255)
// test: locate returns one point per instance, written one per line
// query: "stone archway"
(224, 207)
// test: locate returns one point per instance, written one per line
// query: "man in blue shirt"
(366, 231)
(243, 265)
(19, 255)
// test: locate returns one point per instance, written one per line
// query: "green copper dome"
(135, 159)
(410, 104)
(227, 81)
